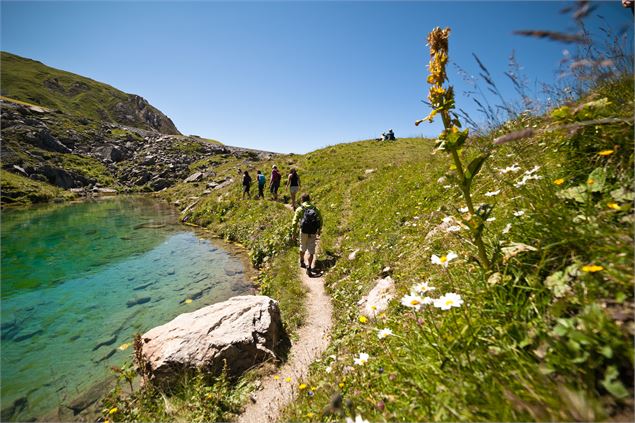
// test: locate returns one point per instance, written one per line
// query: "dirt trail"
(312, 340)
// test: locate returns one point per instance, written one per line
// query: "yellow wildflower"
(302, 386)
(590, 181)
(341, 384)
(559, 181)
(605, 152)
(363, 319)
(614, 206)
(287, 379)
(113, 410)
(208, 396)
(276, 377)
(310, 415)
(592, 268)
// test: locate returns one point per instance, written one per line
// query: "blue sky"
(288, 76)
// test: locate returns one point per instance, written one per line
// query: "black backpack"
(310, 222)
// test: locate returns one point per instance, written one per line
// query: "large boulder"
(242, 331)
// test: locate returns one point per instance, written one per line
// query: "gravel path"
(312, 340)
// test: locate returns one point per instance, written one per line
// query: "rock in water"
(243, 331)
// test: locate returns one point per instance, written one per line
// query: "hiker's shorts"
(294, 189)
(307, 242)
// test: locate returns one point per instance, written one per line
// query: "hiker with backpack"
(274, 182)
(293, 183)
(246, 184)
(262, 180)
(310, 220)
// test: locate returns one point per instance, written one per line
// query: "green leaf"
(560, 113)
(612, 384)
(578, 194)
(597, 180)
(475, 166)
(606, 351)
(455, 140)
(622, 194)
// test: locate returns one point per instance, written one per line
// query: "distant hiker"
(274, 182)
(310, 220)
(246, 184)
(293, 183)
(388, 136)
(262, 180)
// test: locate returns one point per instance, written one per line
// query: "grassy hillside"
(34, 83)
(545, 334)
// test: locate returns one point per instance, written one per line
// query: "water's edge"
(86, 405)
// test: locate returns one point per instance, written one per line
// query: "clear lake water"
(79, 280)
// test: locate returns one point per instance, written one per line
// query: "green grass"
(541, 336)
(531, 342)
(21, 191)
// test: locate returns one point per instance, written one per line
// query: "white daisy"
(383, 333)
(422, 287)
(448, 301)
(492, 193)
(361, 360)
(412, 301)
(443, 260)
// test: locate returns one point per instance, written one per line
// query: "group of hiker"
(293, 184)
(306, 215)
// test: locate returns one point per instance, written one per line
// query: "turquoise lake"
(79, 280)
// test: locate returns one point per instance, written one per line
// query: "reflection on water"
(79, 280)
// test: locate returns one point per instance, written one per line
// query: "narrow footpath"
(312, 340)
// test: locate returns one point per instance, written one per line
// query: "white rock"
(378, 298)
(352, 255)
(243, 331)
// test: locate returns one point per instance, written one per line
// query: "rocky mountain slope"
(33, 82)
(64, 140)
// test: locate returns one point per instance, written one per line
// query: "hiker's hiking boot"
(308, 272)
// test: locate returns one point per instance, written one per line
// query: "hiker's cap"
(274, 167)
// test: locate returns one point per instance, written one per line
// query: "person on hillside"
(246, 184)
(293, 183)
(310, 220)
(274, 182)
(262, 180)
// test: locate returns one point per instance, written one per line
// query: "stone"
(159, 184)
(242, 331)
(113, 153)
(352, 255)
(105, 191)
(21, 170)
(195, 177)
(42, 138)
(378, 298)
(137, 301)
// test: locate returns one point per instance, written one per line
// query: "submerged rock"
(136, 301)
(242, 331)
